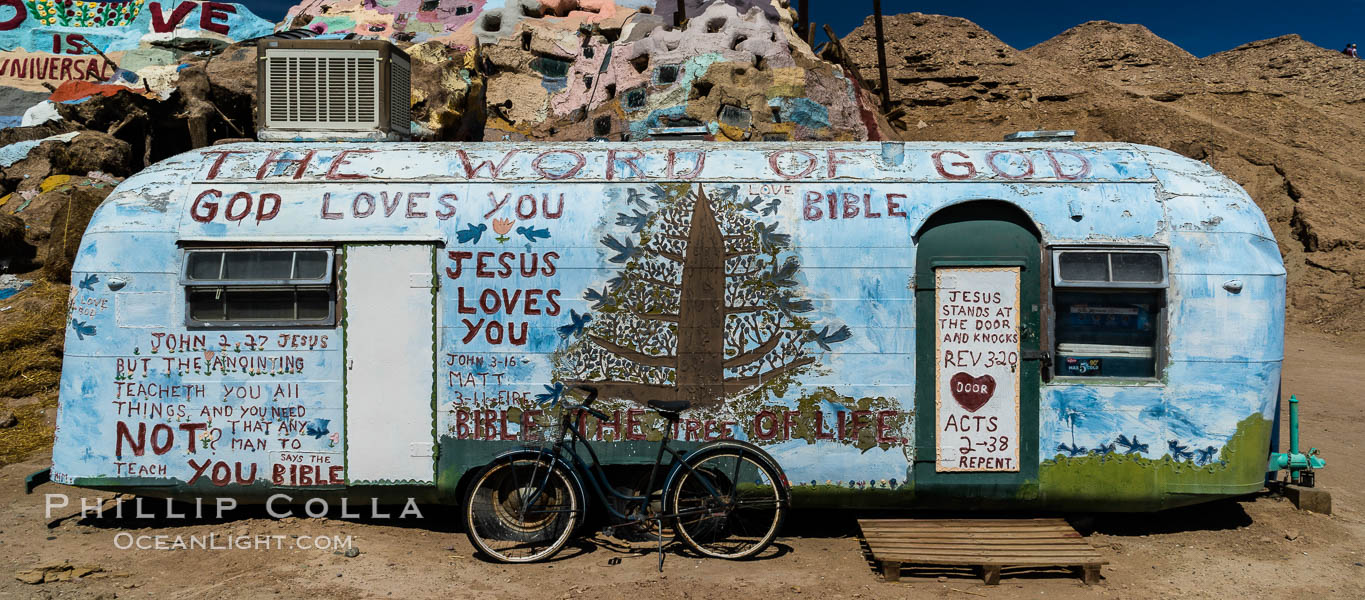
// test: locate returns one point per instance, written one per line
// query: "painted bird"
(82, 329)
(769, 239)
(657, 192)
(771, 208)
(1179, 452)
(317, 428)
(729, 193)
(89, 282)
(1206, 455)
(1131, 446)
(552, 394)
(1071, 450)
(576, 325)
(624, 252)
(471, 234)
(599, 300)
(824, 338)
(788, 304)
(633, 196)
(783, 276)
(752, 204)
(636, 222)
(533, 233)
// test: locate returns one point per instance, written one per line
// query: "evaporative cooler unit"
(338, 90)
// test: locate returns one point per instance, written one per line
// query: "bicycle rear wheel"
(522, 510)
(729, 504)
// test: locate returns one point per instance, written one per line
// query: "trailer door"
(389, 325)
(978, 276)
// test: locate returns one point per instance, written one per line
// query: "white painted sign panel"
(977, 368)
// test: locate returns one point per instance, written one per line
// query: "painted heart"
(972, 393)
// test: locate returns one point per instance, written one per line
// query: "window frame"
(1160, 345)
(1110, 250)
(328, 283)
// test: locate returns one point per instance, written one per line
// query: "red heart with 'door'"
(970, 392)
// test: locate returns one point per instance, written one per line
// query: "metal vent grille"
(400, 96)
(332, 89)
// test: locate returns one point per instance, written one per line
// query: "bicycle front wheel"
(728, 503)
(521, 510)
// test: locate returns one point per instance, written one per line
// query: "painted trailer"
(993, 325)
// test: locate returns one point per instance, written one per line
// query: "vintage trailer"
(995, 325)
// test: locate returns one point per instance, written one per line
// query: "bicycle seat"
(670, 407)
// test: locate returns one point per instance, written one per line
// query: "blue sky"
(1201, 27)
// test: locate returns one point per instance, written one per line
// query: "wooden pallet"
(989, 544)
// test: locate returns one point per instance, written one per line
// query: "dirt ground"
(1256, 547)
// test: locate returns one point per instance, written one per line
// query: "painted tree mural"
(706, 304)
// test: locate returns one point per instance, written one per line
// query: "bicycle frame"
(596, 475)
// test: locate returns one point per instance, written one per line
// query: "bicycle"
(725, 499)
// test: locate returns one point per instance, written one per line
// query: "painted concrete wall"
(457, 23)
(48, 41)
(618, 70)
(733, 70)
(563, 264)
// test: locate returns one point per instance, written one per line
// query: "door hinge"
(422, 450)
(421, 280)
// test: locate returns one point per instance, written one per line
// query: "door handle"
(1044, 359)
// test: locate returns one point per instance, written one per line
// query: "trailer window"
(1107, 311)
(259, 287)
(1109, 268)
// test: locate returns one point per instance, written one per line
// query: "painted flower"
(333, 439)
(502, 226)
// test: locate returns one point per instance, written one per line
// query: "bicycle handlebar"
(587, 403)
(592, 411)
(592, 394)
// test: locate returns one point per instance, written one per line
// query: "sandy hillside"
(1284, 118)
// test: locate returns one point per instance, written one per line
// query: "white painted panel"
(390, 363)
(977, 357)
